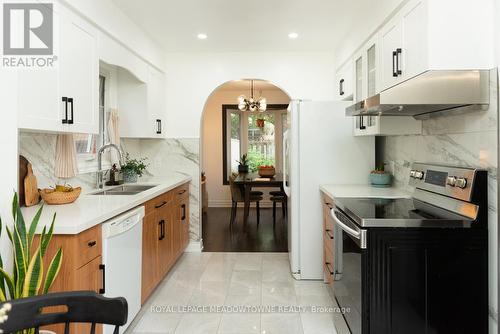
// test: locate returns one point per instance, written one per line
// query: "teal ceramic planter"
(381, 180)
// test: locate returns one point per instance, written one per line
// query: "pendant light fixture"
(250, 104)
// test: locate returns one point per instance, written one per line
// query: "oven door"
(350, 248)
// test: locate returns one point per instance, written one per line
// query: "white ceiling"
(237, 25)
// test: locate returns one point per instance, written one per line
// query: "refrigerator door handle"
(286, 144)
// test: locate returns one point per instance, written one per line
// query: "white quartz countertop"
(90, 210)
(363, 190)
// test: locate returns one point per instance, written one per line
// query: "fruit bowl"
(267, 171)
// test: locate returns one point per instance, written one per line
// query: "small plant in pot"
(133, 168)
(243, 164)
(380, 178)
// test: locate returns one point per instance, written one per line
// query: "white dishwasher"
(122, 259)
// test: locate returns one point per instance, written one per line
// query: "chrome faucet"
(100, 182)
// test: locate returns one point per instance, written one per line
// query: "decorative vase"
(129, 176)
(380, 179)
(242, 168)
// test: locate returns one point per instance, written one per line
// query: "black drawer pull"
(158, 126)
(394, 60)
(329, 233)
(183, 206)
(103, 289)
(160, 205)
(398, 56)
(329, 267)
(92, 243)
(181, 192)
(329, 205)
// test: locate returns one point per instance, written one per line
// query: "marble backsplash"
(469, 139)
(173, 156)
(165, 157)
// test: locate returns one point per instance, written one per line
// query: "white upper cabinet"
(64, 98)
(436, 35)
(141, 104)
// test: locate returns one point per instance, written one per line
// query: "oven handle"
(347, 229)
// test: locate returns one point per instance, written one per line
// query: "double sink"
(124, 190)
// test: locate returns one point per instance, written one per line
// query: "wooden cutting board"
(31, 195)
(23, 170)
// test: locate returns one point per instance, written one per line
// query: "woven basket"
(52, 197)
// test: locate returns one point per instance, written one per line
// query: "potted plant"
(133, 168)
(380, 178)
(29, 276)
(243, 164)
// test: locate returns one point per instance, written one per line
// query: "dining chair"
(81, 307)
(238, 197)
(279, 198)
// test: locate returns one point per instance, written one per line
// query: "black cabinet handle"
(158, 126)
(329, 267)
(65, 119)
(92, 243)
(160, 225)
(362, 123)
(394, 60)
(329, 233)
(183, 206)
(160, 205)
(341, 87)
(70, 101)
(398, 56)
(181, 192)
(102, 267)
(163, 229)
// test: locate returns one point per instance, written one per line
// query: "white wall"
(219, 194)
(109, 18)
(8, 152)
(192, 77)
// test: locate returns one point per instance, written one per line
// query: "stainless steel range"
(405, 265)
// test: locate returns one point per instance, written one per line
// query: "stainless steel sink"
(125, 190)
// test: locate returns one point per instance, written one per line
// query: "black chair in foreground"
(82, 307)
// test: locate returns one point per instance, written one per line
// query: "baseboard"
(227, 204)
(194, 246)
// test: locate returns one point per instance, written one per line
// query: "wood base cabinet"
(165, 235)
(328, 243)
(80, 269)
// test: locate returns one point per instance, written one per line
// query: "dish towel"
(66, 165)
(114, 135)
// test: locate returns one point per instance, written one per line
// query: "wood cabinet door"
(165, 245)
(90, 278)
(150, 240)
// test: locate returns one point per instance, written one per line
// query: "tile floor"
(234, 279)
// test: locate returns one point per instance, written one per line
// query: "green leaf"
(33, 226)
(53, 270)
(15, 204)
(9, 234)
(10, 282)
(46, 240)
(19, 261)
(2, 283)
(21, 228)
(33, 280)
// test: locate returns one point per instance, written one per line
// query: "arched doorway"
(226, 134)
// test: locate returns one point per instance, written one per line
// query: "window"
(87, 145)
(258, 134)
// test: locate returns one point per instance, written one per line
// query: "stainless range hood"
(430, 92)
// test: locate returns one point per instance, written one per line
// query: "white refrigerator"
(318, 148)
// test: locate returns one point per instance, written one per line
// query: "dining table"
(247, 181)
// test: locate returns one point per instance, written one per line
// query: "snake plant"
(28, 273)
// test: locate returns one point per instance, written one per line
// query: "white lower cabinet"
(386, 126)
(63, 98)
